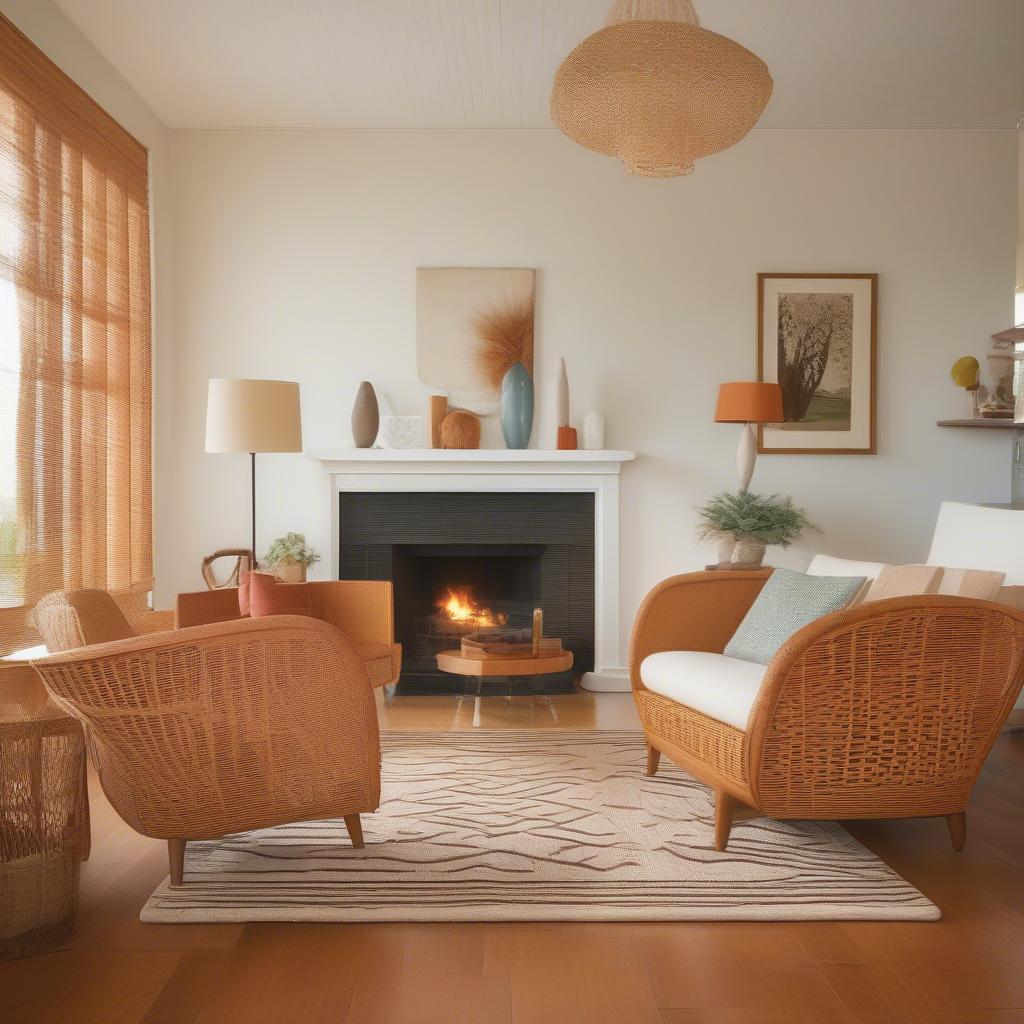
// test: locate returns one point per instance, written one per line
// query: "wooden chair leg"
(653, 759)
(957, 825)
(355, 830)
(176, 860)
(725, 807)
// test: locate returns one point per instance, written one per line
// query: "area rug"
(536, 826)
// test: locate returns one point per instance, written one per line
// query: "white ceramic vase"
(593, 431)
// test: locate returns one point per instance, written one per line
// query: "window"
(75, 367)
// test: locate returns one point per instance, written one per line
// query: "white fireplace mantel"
(482, 469)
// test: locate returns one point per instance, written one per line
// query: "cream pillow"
(904, 581)
(981, 584)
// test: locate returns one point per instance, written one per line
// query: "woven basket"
(658, 94)
(290, 572)
(460, 429)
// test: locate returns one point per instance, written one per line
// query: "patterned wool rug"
(536, 826)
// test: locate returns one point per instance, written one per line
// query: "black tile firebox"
(503, 553)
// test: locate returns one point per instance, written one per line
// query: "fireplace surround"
(480, 471)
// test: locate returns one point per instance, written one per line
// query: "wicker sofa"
(884, 710)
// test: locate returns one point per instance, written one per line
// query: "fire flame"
(460, 607)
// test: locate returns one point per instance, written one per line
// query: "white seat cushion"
(719, 687)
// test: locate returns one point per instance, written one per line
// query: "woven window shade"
(75, 364)
(658, 91)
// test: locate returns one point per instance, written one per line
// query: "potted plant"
(289, 557)
(744, 524)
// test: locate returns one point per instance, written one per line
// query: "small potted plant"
(744, 524)
(289, 557)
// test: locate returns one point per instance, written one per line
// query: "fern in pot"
(289, 557)
(743, 524)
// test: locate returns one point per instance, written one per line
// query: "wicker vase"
(365, 416)
(460, 429)
(748, 551)
(290, 572)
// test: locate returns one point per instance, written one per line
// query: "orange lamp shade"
(749, 402)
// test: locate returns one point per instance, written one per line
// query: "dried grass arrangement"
(505, 330)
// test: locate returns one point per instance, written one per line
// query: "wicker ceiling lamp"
(658, 91)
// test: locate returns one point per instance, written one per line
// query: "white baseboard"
(607, 680)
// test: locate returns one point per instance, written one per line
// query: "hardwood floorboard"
(966, 969)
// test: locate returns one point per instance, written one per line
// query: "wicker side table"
(44, 816)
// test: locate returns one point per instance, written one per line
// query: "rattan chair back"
(67, 619)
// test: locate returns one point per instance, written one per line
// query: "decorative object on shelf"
(743, 524)
(289, 557)
(460, 429)
(562, 395)
(244, 562)
(593, 432)
(965, 374)
(816, 339)
(517, 407)
(689, 92)
(402, 432)
(566, 440)
(365, 416)
(253, 416)
(472, 325)
(437, 409)
(1006, 366)
(748, 402)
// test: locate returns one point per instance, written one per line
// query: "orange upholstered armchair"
(361, 609)
(221, 728)
(884, 710)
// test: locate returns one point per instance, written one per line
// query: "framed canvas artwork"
(816, 339)
(472, 325)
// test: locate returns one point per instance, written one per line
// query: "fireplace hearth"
(465, 562)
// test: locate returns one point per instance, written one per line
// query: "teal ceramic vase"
(517, 407)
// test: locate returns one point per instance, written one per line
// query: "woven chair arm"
(697, 611)
(228, 726)
(889, 707)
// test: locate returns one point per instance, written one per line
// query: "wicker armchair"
(214, 729)
(885, 710)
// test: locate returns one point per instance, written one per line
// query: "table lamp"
(253, 416)
(748, 402)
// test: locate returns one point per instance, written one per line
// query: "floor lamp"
(253, 416)
(748, 402)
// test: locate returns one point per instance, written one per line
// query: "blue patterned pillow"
(787, 603)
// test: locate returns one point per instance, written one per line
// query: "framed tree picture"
(816, 337)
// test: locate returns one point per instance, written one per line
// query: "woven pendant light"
(658, 91)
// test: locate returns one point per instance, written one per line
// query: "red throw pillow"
(260, 593)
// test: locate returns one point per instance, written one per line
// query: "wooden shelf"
(987, 424)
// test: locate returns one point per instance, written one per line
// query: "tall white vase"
(562, 408)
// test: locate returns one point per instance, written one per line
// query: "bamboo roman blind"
(75, 367)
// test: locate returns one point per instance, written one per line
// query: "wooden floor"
(967, 968)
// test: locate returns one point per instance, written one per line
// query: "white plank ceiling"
(489, 63)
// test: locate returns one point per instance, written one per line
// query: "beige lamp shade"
(253, 416)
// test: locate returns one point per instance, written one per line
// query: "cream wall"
(61, 41)
(295, 256)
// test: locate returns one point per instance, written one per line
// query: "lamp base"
(746, 455)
